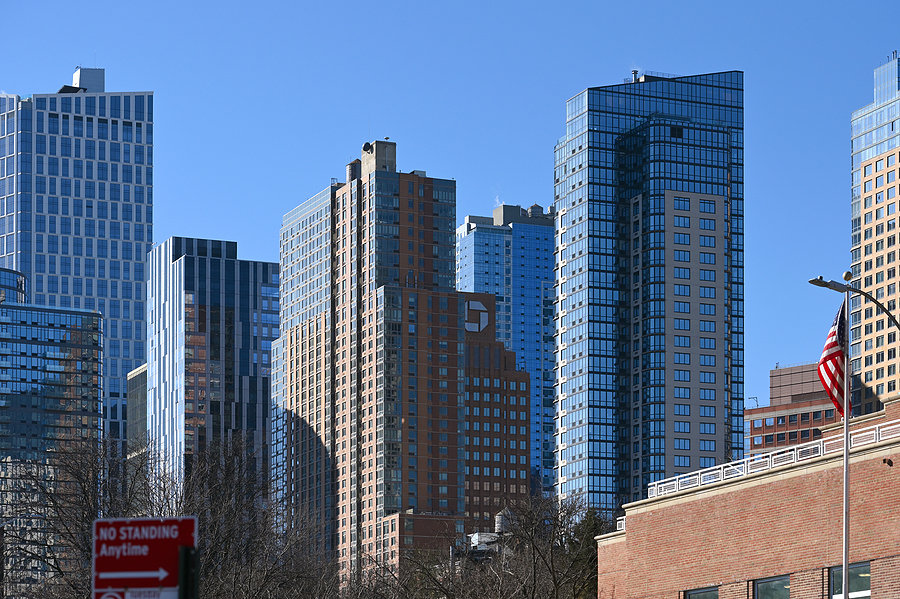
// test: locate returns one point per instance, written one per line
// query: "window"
(682, 358)
(708, 224)
(707, 445)
(859, 581)
(682, 256)
(707, 428)
(702, 594)
(683, 427)
(684, 307)
(707, 258)
(683, 290)
(708, 411)
(682, 341)
(774, 588)
(707, 241)
(682, 461)
(682, 238)
(682, 204)
(683, 444)
(682, 324)
(682, 409)
(683, 221)
(708, 206)
(682, 273)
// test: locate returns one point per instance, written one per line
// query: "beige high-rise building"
(875, 133)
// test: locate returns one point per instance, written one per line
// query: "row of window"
(706, 428)
(685, 256)
(793, 418)
(119, 106)
(685, 239)
(792, 436)
(685, 341)
(685, 291)
(708, 206)
(859, 581)
(685, 410)
(684, 461)
(707, 224)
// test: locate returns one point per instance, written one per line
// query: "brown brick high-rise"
(368, 432)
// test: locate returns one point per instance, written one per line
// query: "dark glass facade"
(649, 239)
(211, 322)
(50, 391)
(137, 404)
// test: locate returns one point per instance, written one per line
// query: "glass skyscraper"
(649, 240)
(76, 211)
(510, 255)
(211, 322)
(49, 398)
(875, 137)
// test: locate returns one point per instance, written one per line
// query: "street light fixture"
(842, 288)
(847, 290)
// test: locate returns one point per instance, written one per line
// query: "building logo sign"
(477, 317)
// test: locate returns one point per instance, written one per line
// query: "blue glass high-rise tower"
(649, 238)
(510, 255)
(76, 211)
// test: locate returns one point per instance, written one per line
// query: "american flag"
(832, 364)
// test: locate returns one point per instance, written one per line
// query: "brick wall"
(787, 521)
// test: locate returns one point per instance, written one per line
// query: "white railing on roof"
(768, 461)
(620, 523)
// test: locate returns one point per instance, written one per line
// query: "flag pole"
(848, 408)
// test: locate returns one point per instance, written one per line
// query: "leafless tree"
(244, 551)
(57, 501)
(546, 551)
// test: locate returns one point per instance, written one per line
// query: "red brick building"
(767, 527)
(798, 409)
(496, 418)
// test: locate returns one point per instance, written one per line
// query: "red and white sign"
(138, 557)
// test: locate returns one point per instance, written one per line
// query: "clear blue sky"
(258, 104)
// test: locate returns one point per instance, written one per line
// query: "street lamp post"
(847, 290)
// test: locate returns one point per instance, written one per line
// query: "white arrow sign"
(159, 574)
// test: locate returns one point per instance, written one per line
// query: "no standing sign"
(138, 558)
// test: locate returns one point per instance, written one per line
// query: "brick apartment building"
(768, 526)
(798, 409)
(496, 418)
